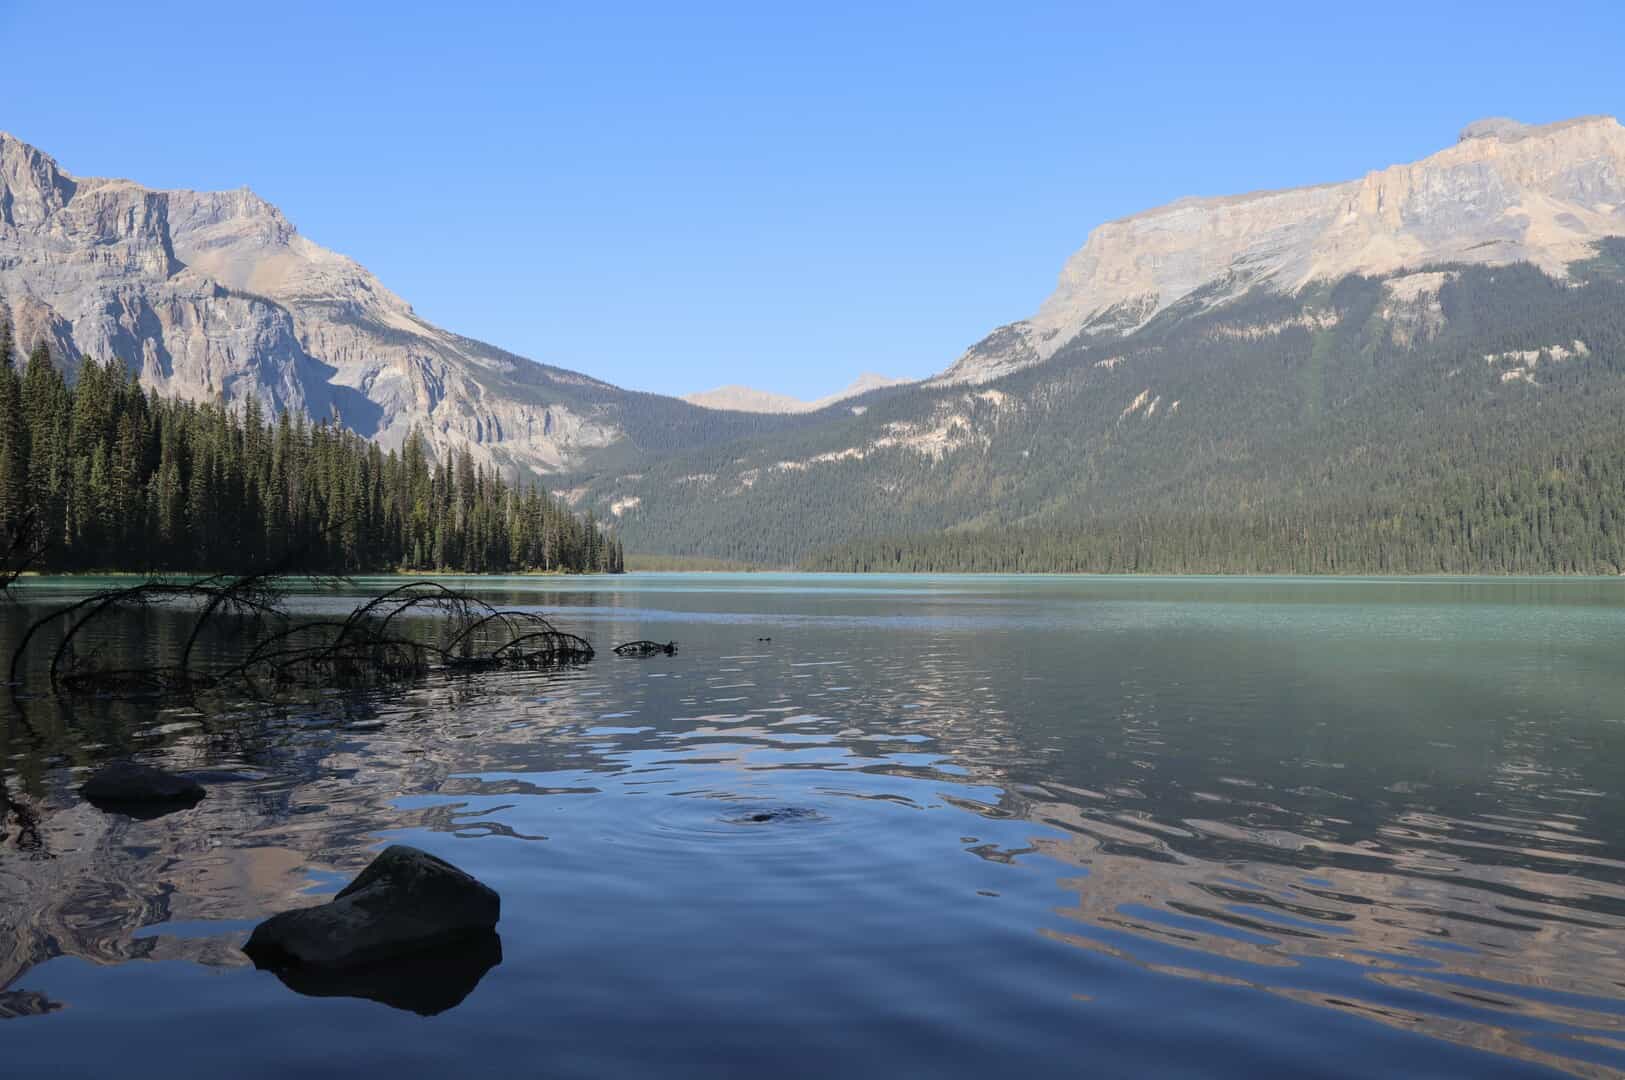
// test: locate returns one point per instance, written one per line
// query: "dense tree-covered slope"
(104, 475)
(1368, 407)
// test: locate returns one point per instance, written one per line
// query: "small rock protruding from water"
(129, 784)
(404, 902)
(774, 815)
(19, 1003)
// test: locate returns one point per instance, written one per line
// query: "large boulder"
(406, 900)
(129, 782)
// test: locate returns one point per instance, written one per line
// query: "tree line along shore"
(103, 475)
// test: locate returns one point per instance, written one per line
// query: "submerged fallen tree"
(371, 645)
(401, 634)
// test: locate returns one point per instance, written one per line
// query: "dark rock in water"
(426, 982)
(405, 901)
(140, 790)
(19, 1003)
(776, 814)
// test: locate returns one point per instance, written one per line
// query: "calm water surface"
(1024, 826)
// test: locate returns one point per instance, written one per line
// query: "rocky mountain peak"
(32, 187)
(1504, 129)
(216, 295)
(1505, 192)
(193, 211)
(1494, 127)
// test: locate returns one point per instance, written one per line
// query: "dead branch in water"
(377, 643)
(75, 671)
(22, 550)
(646, 648)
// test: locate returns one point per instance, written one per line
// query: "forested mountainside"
(1418, 368)
(1453, 417)
(103, 475)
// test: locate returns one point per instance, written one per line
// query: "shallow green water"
(1099, 825)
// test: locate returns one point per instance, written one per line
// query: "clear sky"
(678, 195)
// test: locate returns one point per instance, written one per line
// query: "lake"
(943, 826)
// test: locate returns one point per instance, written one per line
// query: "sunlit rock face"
(216, 295)
(1505, 192)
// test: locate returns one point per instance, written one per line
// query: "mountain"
(1341, 362)
(1506, 192)
(1421, 369)
(217, 294)
(745, 399)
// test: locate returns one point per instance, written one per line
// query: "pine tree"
(14, 448)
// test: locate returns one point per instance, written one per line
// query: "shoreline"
(1214, 575)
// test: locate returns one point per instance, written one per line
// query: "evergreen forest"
(102, 475)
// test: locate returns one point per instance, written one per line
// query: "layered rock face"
(1506, 192)
(216, 295)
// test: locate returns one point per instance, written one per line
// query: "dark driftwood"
(646, 648)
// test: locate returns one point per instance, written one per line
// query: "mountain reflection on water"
(938, 825)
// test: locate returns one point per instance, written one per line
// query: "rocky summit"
(1505, 192)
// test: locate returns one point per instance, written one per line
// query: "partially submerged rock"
(774, 815)
(131, 783)
(405, 901)
(19, 1003)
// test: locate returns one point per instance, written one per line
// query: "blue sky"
(674, 196)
